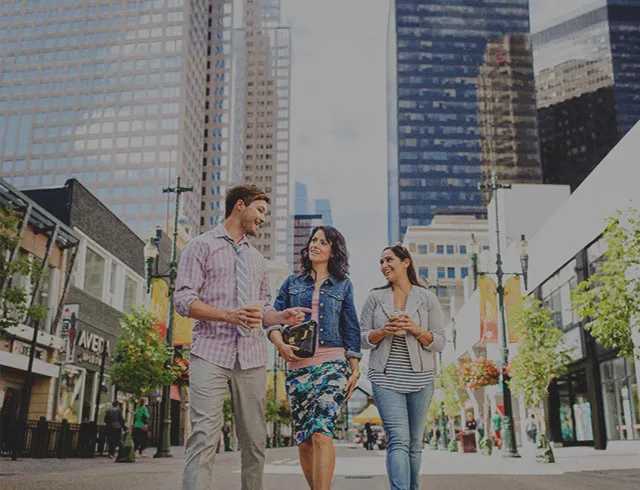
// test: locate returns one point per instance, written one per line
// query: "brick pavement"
(577, 469)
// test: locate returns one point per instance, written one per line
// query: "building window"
(451, 272)
(464, 272)
(423, 272)
(441, 272)
(130, 294)
(450, 250)
(463, 249)
(440, 249)
(94, 273)
(423, 249)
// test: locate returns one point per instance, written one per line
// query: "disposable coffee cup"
(394, 316)
(256, 304)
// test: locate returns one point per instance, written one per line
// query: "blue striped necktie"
(242, 280)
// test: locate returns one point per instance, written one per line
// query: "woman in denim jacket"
(318, 386)
(403, 324)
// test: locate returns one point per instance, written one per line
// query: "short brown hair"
(244, 193)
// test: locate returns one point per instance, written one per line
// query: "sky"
(338, 116)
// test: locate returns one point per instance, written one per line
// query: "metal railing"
(47, 439)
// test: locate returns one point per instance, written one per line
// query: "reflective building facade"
(587, 68)
(436, 51)
(108, 92)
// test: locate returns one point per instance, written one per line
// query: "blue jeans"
(403, 416)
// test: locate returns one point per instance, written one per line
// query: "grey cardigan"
(423, 308)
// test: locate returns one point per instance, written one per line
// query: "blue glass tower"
(587, 66)
(301, 198)
(323, 207)
(439, 53)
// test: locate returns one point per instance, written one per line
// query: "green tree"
(453, 396)
(15, 272)
(540, 357)
(141, 360)
(609, 300)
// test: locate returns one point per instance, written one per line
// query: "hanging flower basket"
(181, 368)
(478, 373)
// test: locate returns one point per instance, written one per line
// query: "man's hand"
(293, 316)
(248, 316)
(288, 352)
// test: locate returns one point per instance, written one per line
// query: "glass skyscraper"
(323, 207)
(109, 92)
(460, 99)
(587, 67)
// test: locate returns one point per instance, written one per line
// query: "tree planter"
(544, 452)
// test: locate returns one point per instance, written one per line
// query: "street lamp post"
(151, 256)
(510, 448)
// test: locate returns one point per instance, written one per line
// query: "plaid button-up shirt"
(208, 272)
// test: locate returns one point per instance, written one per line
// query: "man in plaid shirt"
(222, 354)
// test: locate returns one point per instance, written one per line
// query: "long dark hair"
(402, 253)
(339, 262)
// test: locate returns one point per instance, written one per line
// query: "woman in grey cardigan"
(402, 322)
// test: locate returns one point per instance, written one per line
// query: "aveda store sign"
(89, 347)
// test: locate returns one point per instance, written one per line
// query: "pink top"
(323, 354)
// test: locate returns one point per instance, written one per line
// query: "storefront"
(621, 401)
(79, 381)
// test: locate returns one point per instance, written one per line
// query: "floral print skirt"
(316, 394)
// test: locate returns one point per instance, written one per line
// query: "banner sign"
(182, 326)
(69, 331)
(512, 302)
(488, 310)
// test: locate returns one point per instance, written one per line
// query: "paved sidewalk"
(576, 469)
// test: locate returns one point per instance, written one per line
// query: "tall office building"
(259, 135)
(440, 252)
(108, 92)
(587, 67)
(217, 158)
(436, 50)
(507, 113)
(323, 208)
(301, 196)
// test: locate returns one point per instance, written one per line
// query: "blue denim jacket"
(337, 317)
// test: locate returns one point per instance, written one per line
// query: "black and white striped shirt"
(399, 376)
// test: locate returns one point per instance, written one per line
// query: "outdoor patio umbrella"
(369, 414)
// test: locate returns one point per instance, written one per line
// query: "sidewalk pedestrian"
(368, 443)
(404, 325)
(496, 423)
(114, 425)
(532, 429)
(222, 283)
(480, 428)
(471, 424)
(226, 435)
(141, 427)
(319, 385)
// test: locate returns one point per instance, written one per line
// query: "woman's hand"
(352, 382)
(287, 352)
(403, 322)
(390, 328)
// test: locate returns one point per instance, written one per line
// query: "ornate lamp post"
(510, 448)
(151, 258)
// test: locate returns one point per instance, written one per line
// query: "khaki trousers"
(207, 388)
